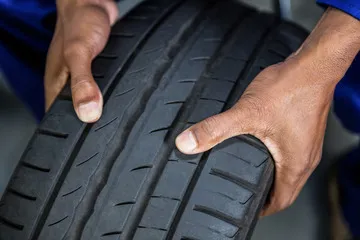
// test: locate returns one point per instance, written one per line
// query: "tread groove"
(88, 159)
(187, 81)
(134, 17)
(107, 56)
(111, 233)
(72, 191)
(189, 238)
(223, 195)
(22, 195)
(122, 35)
(211, 99)
(234, 179)
(125, 203)
(163, 197)
(216, 214)
(253, 142)
(175, 102)
(125, 92)
(153, 50)
(98, 75)
(237, 157)
(52, 133)
(137, 71)
(105, 124)
(160, 130)
(59, 221)
(141, 167)
(154, 228)
(206, 58)
(272, 51)
(11, 224)
(34, 167)
(222, 80)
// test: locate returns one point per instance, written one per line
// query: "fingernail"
(186, 142)
(89, 112)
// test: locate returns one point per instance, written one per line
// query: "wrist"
(331, 47)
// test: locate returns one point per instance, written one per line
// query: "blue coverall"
(25, 28)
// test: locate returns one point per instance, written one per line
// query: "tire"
(168, 65)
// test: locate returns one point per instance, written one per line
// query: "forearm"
(331, 47)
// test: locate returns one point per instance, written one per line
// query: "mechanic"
(288, 116)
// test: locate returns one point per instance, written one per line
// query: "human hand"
(286, 107)
(82, 30)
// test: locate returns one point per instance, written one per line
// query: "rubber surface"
(168, 65)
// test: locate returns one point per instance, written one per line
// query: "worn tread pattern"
(167, 65)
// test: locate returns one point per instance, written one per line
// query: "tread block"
(147, 149)
(100, 67)
(217, 90)
(214, 228)
(114, 219)
(128, 190)
(149, 234)
(178, 92)
(179, 156)
(235, 167)
(61, 118)
(227, 70)
(226, 189)
(162, 117)
(174, 180)
(219, 204)
(25, 175)
(159, 213)
(43, 154)
(248, 153)
(205, 109)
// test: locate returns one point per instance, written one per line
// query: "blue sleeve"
(351, 7)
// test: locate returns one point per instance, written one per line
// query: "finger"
(287, 187)
(112, 10)
(56, 73)
(85, 38)
(212, 131)
(87, 98)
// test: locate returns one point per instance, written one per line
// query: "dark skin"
(286, 106)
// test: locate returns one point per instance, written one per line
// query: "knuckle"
(80, 82)
(76, 47)
(209, 128)
(282, 204)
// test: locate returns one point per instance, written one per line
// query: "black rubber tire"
(168, 64)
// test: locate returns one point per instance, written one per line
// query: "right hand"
(82, 30)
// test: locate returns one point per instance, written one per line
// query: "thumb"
(84, 39)
(212, 131)
(87, 98)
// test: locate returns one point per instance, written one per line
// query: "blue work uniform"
(26, 28)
